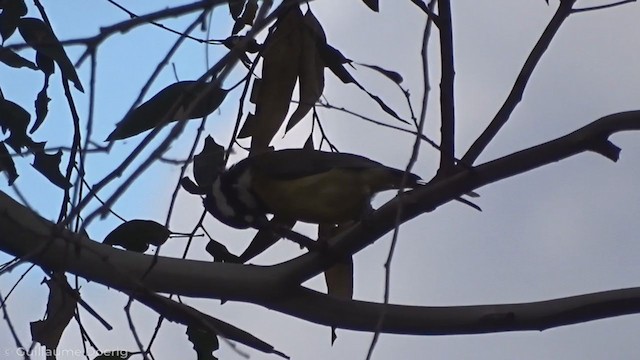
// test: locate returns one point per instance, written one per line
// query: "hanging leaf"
(12, 11)
(15, 119)
(49, 166)
(339, 277)
(7, 165)
(42, 39)
(279, 74)
(137, 235)
(45, 64)
(391, 75)
(195, 100)
(209, 163)
(61, 307)
(10, 58)
(311, 71)
(334, 60)
(235, 8)
(204, 342)
(372, 4)
(42, 106)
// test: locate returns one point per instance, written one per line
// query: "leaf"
(235, 8)
(12, 11)
(209, 163)
(161, 109)
(15, 119)
(7, 165)
(279, 74)
(392, 75)
(311, 69)
(48, 165)
(204, 342)
(247, 18)
(60, 309)
(136, 235)
(339, 277)
(10, 58)
(335, 60)
(41, 38)
(372, 4)
(42, 106)
(45, 63)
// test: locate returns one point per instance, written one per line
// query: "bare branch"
(514, 97)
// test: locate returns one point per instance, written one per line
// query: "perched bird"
(301, 185)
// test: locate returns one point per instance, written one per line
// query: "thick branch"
(447, 103)
(455, 320)
(592, 137)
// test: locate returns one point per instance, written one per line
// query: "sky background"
(564, 229)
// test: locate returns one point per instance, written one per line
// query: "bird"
(304, 185)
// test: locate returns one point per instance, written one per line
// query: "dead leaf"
(7, 165)
(10, 58)
(61, 307)
(161, 109)
(42, 39)
(137, 235)
(49, 166)
(279, 73)
(311, 70)
(41, 105)
(15, 119)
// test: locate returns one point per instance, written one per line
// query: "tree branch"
(514, 97)
(26, 235)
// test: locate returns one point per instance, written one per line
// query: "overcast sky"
(564, 229)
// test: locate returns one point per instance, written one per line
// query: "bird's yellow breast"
(336, 196)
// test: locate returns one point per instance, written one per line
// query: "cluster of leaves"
(295, 52)
(13, 117)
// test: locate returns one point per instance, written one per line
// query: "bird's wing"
(296, 163)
